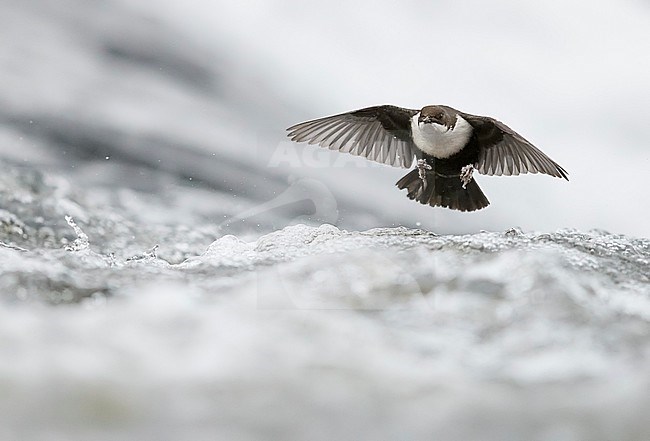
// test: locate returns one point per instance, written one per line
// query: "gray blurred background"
(176, 110)
(160, 128)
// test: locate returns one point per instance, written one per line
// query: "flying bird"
(448, 145)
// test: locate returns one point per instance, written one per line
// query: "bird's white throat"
(437, 141)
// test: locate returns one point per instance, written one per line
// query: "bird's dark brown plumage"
(384, 134)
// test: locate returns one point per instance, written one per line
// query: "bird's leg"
(466, 174)
(422, 167)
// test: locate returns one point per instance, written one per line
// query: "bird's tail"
(444, 191)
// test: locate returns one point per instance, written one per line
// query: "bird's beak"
(424, 119)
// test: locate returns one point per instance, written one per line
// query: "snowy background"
(199, 296)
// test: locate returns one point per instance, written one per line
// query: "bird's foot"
(466, 174)
(423, 166)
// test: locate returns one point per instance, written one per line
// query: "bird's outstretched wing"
(380, 133)
(505, 152)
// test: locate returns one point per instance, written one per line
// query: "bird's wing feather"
(505, 152)
(380, 133)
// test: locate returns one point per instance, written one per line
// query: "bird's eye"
(440, 115)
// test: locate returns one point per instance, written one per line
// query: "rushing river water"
(113, 329)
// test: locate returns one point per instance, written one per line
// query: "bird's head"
(435, 115)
